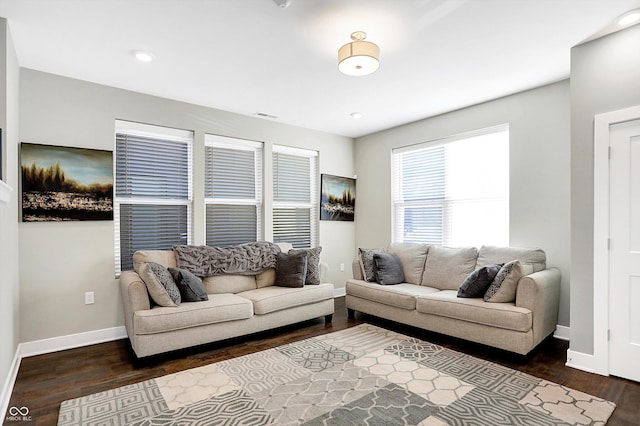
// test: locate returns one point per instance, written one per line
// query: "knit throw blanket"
(243, 259)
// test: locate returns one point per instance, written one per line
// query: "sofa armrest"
(357, 270)
(540, 293)
(134, 297)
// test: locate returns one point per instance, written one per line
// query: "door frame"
(601, 208)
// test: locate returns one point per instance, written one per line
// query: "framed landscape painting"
(66, 184)
(338, 199)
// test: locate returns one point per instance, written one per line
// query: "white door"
(624, 254)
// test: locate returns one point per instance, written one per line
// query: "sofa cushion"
(313, 264)
(219, 308)
(165, 258)
(504, 285)
(276, 298)
(190, 286)
(477, 282)
(400, 295)
(502, 315)
(388, 269)
(365, 257)
(412, 256)
(446, 268)
(291, 269)
(160, 284)
(266, 278)
(229, 283)
(532, 259)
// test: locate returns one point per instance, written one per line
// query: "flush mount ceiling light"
(629, 18)
(142, 56)
(359, 57)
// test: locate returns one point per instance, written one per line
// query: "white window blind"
(233, 190)
(153, 187)
(453, 192)
(295, 196)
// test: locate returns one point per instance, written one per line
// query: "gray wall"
(539, 171)
(9, 282)
(605, 76)
(61, 261)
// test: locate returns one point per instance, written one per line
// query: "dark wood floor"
(44, 381)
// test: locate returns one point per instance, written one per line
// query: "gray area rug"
(363, 375)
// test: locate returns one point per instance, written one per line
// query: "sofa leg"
(351, 313)
(328, 319)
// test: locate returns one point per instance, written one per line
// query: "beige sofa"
(428, 299)
(237, 305)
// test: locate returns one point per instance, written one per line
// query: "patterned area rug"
(359, 376)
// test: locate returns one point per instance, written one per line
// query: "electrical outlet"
(88, 298)
(342, 267)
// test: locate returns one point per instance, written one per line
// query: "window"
(295, 196)
(233, 190)
(453, 192)
(152, 208)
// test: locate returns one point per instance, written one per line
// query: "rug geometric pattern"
(363, 375)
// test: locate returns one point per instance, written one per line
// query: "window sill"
(5, 190)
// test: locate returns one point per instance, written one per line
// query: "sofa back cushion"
(266, 278)
(165, 258)
(446, 267)
(229, 283)
(412, 257)
(531, 259)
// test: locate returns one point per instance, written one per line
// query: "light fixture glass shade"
(358, 57)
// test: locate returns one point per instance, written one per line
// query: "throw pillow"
(190, 287)
(504, 285)
(366, 263)
(477, 282)
(160, 284)
(388, 268)
(291, 269)
(313, 264)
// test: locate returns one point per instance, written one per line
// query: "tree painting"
(338, 199)
(66, 184)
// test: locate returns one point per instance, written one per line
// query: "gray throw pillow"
(291, 269)
(160, 284)
(388, 268)
(366, 263)
(313, 264)
(477, 282)
(504, 285)
(190, 287)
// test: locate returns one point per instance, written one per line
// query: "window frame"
(166, 134)
(217, 141)
(400, 206)
(312, 204)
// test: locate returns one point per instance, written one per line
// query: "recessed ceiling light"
(629, 18)
(356, 115)
(142, 56)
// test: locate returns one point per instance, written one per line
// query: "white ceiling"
(250, 56)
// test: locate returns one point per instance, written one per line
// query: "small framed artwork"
(338, 198)
(65, 184)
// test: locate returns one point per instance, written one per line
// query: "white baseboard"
(562, 333)
(7, 387)
(61, 343)
(339, 292)
(55, 344)
(581, 361)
